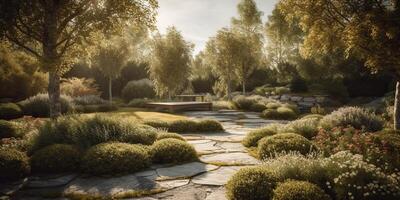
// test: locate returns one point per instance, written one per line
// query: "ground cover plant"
(185, 126)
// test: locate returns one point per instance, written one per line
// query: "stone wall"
(303, 102)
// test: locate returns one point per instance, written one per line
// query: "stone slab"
(237, 158)
(185, 170)
(43, 182)
(217, 177)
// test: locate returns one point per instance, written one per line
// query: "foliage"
(223, 105)
(282, 113)
(8, 129)
(381, 148)
(258, 107)
(18, 67)
(299, 190)
(170, 62)
(353, 178)
(242, 102)
(356, 117)
(115, 158)
(251, 183)
(172, 150)
(313, 116)
(298, 85)
(209, 126)
(305, 127)
(252, 138)
(165, 135)
(284, 142)
(10, 111)
(89, 100)
(88, 131)
(181, 126)
(56, 158)
(77, 87)
(39, 105)
(138, 89)
(13, 164)
(138, 103)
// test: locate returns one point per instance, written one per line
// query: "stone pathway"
(222, 155)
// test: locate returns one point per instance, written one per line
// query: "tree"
(248, 30)
(222, 52)
(56, 32)
(111, 57)
(367, 29)
(169, 64)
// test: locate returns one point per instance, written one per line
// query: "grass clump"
(13, 164)
(39, 105)
(8, 129)
(356, 117)
(165, 135)
(208, 126)
(56, 158)
(284, 142)
(306, 127)
(172, 151)
(253, 183)
(299, 190)
(252, 138)
(115, 158)
(85, 132)
(10, 111)
(281, 113)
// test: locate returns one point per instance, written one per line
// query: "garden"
(304, 100)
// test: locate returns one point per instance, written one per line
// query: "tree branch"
(22, 45)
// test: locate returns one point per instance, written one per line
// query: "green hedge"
(56, 158)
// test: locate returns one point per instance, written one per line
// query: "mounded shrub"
(317, 116)
(273, 105)
(89, 100)
(299, 190)
(157, 124)
(39, 105)
(258, 107)
(172, 151)
(138, 103)
(284, 143)
(208, 126)
(253, 183)
(243, 103)
(282, 113)
(56, 158)
(10, 111)
(180, 126)
(115, 158)
(165, 135)
(88, 131)
(356, 117)
(13, 164)
(138, 89)
(305, 127)
(8, 129)
(252, 138)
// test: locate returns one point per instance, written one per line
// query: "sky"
(198, 20)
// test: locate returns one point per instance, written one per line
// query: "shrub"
(89, 100)
(284, 142)
(253, 183)
(56, 158)
(253, 137)
(208, 126)
(223, 105)
(299, 190)
(180, 126)
(305, 127)
(157, 124)
(138, 89)
(39, 105)
(172, 151)
(114, 158)
(243, 103)
(354, 178)
(258, 107)
(138, 103)
(106, 108)
(281, 90)
(76, 87)
(282, 113)
(10, 111)
(352, 116)
(8, 129)
(13, 164)
(273, 105)
(85, 132)
(316, 116)
(165, 135)
(298, 85)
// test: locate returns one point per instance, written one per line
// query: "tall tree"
(110, 58)
(367, 29)
(58, 31)
(222, 52)
(169, 64)
(248, 29)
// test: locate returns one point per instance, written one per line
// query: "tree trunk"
(54, 94)
(396, 113)
(244, 87)
(110, 90)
